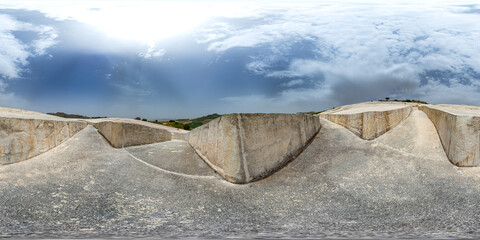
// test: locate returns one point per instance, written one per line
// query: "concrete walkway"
(340, 186)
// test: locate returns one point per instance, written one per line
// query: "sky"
(183, 59)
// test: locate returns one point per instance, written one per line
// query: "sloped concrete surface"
(124, 132)
(25, 134)
(247, 147)
(176, 134)
(175, 156)
(459, 129)
(340, 186)
(25, 114)
(371, 119)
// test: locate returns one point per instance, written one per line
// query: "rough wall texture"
(22, 138)
(372, 124)
(460, 135)
(121, 134)
(180, 136)
(247, 147)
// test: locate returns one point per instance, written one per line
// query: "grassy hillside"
(189, 124)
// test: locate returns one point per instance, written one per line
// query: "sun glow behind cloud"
(144, 21)
(145, 24)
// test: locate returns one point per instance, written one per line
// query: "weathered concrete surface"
(172, 156)
(124, 132)
(176, 134)
(247, 147)
(459, 129)
(339, 187)
(25, 134)
(121, 134)
(369, 120)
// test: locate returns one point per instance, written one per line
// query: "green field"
(189, 124)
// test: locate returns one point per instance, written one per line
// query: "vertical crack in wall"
(241, 135)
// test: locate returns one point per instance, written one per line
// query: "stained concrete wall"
(247, 147)
(459, 134)
(122, 134)
(369, 125)
(22, 138)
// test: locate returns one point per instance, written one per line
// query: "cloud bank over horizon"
(163, 59)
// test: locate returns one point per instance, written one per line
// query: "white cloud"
(132, 22)
(48, 36)
(14, 53)
(293, 83)
(300, 68)
(258, 67)
(362, 50)
(457, 93)
(141, 20)
(152, 51)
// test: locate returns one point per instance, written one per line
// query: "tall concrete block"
(122, 134)
(23, 138)
(369, 125)
(459, 132)
(247, 147)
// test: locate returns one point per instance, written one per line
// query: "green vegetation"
(311, 112)
(315, 113)
(66, 115)
(413, 100)
(173, 123)
(197, 122)
(189, 124)
(406, 100)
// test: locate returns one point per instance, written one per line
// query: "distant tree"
(387, 98)
(137, 118)
(186, 127)
(144, 119)
(156, 121)
(171, 121)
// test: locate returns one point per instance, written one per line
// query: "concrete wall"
(372, 124)
(121, 134)
(247, 147)
(22, 138)
(180, 136)
(460, 135)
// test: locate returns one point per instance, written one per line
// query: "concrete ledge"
(124, 134)
(247, 147)
(367, 124)
(23, 138)
(459, 132)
